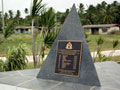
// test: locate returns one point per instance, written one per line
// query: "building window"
(104, 30)
(26, 30)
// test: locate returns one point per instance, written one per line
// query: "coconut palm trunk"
(36, 8)
(34, 45)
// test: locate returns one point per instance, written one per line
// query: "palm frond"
(9, 29)
(50, 38)
(36, 7)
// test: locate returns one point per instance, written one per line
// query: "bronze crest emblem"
(69, 45)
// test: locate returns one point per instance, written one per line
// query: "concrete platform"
(108, 72)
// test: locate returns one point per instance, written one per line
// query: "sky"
(58, 5)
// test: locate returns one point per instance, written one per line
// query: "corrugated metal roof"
(27, 27)
(23, 27)
(101, 26)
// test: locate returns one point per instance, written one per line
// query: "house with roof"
(26, 29)
(101, 29)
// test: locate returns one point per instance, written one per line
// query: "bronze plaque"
(68, 58)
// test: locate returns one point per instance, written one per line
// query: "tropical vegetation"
(102, 13)
(50, 21)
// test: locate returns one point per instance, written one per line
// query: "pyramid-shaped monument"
(71, 30)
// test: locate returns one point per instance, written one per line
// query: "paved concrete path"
(108, 73)
(10, 87)
(106, 53)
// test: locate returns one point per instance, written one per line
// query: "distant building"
(101, 29)
(26, 29)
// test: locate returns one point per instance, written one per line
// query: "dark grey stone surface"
(71, 30)
(108, 73)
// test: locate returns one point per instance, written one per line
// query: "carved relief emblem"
(69, 45)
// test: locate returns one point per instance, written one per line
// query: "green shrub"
(99, 41)
(115, 43)
(87, 38)
(1, 65)
(101, 57)
(17, 58)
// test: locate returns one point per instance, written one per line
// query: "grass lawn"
(30, 65)
(115, 58)
(107, 45)
(26, 39)
(14, 41)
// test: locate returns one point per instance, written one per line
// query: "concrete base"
(108, 72)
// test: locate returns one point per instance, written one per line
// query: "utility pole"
(3, 24)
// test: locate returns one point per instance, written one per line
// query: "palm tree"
(103, 4)
(108, 19)
(115, 12)
(63, 16)
(10, 14)
(81, 8)
(105, 12)
(81, 12)
(35, 11)
(9, 29)
(18, 15)
(48, 19)
(91, 14)
(6, 18)
(27, 17)
(26, 11)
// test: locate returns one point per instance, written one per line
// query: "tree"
(35, 11)
(99, 14)
(9, 29)
(27, 20)
(108, 15)
(63, 16)
(81, 8)
(26, 10)
(91, 15)
(115, 6)
(48, 19)
(18, 16)
(6, 18)
(81, 12)
(103, 4)
(10, 14)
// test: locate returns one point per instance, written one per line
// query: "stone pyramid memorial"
(72, 35)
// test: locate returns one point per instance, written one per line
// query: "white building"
(26, 29)
(101, 29)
